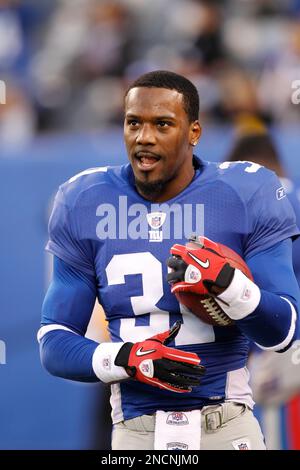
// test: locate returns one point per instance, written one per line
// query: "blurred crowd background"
(66, 65)
(68, 62)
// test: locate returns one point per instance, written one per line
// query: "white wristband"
(242, 297)
(104, 363)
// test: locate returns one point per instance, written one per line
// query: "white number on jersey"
(251, 168)
(193, 330)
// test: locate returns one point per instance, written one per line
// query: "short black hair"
(171, 81)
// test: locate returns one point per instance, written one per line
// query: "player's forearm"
(266, 318)
(68, 355)
(271, 322)
(272, 325)
(74, 357)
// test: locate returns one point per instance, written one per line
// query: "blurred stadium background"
(66, 64)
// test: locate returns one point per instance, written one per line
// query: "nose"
(146, 135)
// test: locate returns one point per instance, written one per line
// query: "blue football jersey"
(293, 193)
(103, 227)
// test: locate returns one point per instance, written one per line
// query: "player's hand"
(153, 363)
(199, 267)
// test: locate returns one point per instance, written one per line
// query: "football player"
(177, 382)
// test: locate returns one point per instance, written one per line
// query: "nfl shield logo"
(145, 368)
(243, 446)
(156, 219)
(155, 222)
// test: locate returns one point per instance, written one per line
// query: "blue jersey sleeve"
(64, 240)
(270, 217)
(294, 198)
(66, 312)
(70, 298)
(275, 322)
(67, 355)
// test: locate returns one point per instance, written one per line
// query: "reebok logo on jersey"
(203, 264)
(140, 352)
(280, 193)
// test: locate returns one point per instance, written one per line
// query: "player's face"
(159, 137)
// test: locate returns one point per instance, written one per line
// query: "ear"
(194, 133)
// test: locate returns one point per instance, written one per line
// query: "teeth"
(148, 160)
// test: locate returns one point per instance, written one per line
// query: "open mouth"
(146, 160)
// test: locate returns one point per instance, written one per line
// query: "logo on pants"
(177, 446)
(178, 418)
(241, 444)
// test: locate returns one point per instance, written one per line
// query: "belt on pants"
(213, 417)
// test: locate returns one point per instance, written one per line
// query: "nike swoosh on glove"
(154, 363)
(201, 267)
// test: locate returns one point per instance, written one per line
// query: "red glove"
(199, 267)
(153, 363)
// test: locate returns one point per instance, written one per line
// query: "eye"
(132, 122)
(163, 124)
